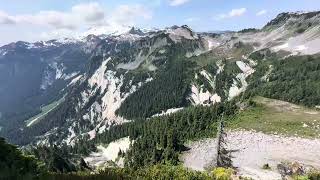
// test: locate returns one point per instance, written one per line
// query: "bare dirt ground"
(253, 150)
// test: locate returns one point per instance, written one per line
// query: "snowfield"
(306, 43)
(253, 150)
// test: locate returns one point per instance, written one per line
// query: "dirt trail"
(255, 149)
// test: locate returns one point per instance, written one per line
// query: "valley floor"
(253, 150)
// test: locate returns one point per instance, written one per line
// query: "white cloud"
(262, 12)
(6, 19)
(81, 14)
(191, 19)
(177, 2)
(232, 13)
(128, 14)
(237, 12)
(91, 12)
(78, 18)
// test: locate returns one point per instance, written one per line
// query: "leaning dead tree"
(223, 155)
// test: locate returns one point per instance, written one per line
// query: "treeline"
(294, 79)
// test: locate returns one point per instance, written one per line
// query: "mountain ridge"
(122, 69)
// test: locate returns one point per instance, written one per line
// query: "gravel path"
(253, 150)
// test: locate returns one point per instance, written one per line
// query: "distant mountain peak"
(282, 18)
(136, 31)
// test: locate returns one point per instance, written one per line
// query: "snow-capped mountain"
(95, 82)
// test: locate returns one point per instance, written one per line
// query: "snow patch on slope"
(306, 43)
(266, 76)
(282, 38)
(220, 67)
(75, 80)
(70, 138)
(69, 76)
(200, 96)
(235, 90)
(209, 78)
(245, 68)
(167, 112)
(128, 37)
(211, 43)
(3, 52)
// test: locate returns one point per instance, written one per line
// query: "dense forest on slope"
(161, 139)
(294, 79)
(169, 89)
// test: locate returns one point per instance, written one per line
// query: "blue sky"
(33, 20)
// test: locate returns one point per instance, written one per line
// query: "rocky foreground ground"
(253, 150)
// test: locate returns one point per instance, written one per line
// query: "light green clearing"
(278, 117)
(44, 111)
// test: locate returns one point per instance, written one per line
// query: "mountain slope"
(34, 75)
(138, 74)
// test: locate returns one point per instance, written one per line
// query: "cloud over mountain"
(78, 18)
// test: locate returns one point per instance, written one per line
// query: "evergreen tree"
(223, 155)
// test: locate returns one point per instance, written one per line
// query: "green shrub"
(222, 173)
(148, 173)
(301, 178)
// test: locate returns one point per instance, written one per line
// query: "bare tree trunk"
(223, 155)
